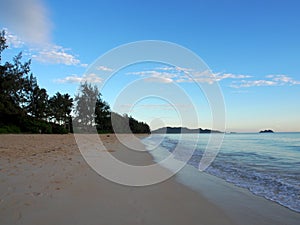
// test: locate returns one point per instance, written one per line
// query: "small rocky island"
(266, 131)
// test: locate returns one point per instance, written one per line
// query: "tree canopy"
(91, 111)
(25, 107)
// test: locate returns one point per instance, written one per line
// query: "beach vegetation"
(27, 108)
(24, 106)
(91, 112)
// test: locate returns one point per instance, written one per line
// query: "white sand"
(45, 180)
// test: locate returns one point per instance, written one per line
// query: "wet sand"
(45, 180)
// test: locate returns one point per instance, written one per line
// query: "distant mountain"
(178, 130)
(266, 131)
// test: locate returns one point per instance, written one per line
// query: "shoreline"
(240, 204)
(45, 178)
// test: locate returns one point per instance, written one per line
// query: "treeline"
(92, 112)
(27, 108)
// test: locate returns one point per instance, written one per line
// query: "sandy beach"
(45, 180)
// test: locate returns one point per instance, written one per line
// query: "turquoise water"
(266, 164)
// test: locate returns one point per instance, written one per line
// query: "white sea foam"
(266, 164)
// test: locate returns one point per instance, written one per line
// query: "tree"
(38, 105)
(67, 106)
(138, 127)
(120, 124)
(60, 108)
(102, 115)
(127, 124)
(13, 80)
(3, 44)
(85, 104)
(23, 104)
(28, 108)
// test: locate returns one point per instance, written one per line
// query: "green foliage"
(60, 108)
(29, 124)
(13, 85)
(3, 44)
(25, 107)
(85, 105)
(37, 99)
(91, 111)
(120, 124)
(138, 127)
(102, 115)
(10, 129)
(59, 129)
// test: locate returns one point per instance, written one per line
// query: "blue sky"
(252, 48)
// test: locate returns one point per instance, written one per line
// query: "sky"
(250, 49)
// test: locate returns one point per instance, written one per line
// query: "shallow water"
(266, 164)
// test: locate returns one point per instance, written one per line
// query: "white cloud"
(176, 68)
(283, 79)
(55, 55)
(253, 83)
(231, 76)
(12, 40)
(104, 68)
(271, 80)
(186, 70)
(90, 78)
(165, 68)
(49, 53)
(29, 26)
(185, 75)
(84, 64)
(28, 19)
(155, 74)
(158, 80)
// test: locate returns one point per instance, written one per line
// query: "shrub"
(10, 129)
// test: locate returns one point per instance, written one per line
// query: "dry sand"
(45, 180)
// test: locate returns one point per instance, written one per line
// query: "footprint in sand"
(36, 194)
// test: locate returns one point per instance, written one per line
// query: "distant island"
(266, 131)
(178, 130)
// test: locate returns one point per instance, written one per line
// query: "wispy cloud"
(55, 55)
(175, 68)
(184, 75)
(28, 19)
(49, 53)
(84, 64)
(12, 40)
(29, 27)
(156, 76)
(90, 78)
(222, 76)
(104, 68)
(271, 80)
(283, 79)
(158, 80)
(253, 83)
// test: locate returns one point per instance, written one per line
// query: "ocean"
(266, 164)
